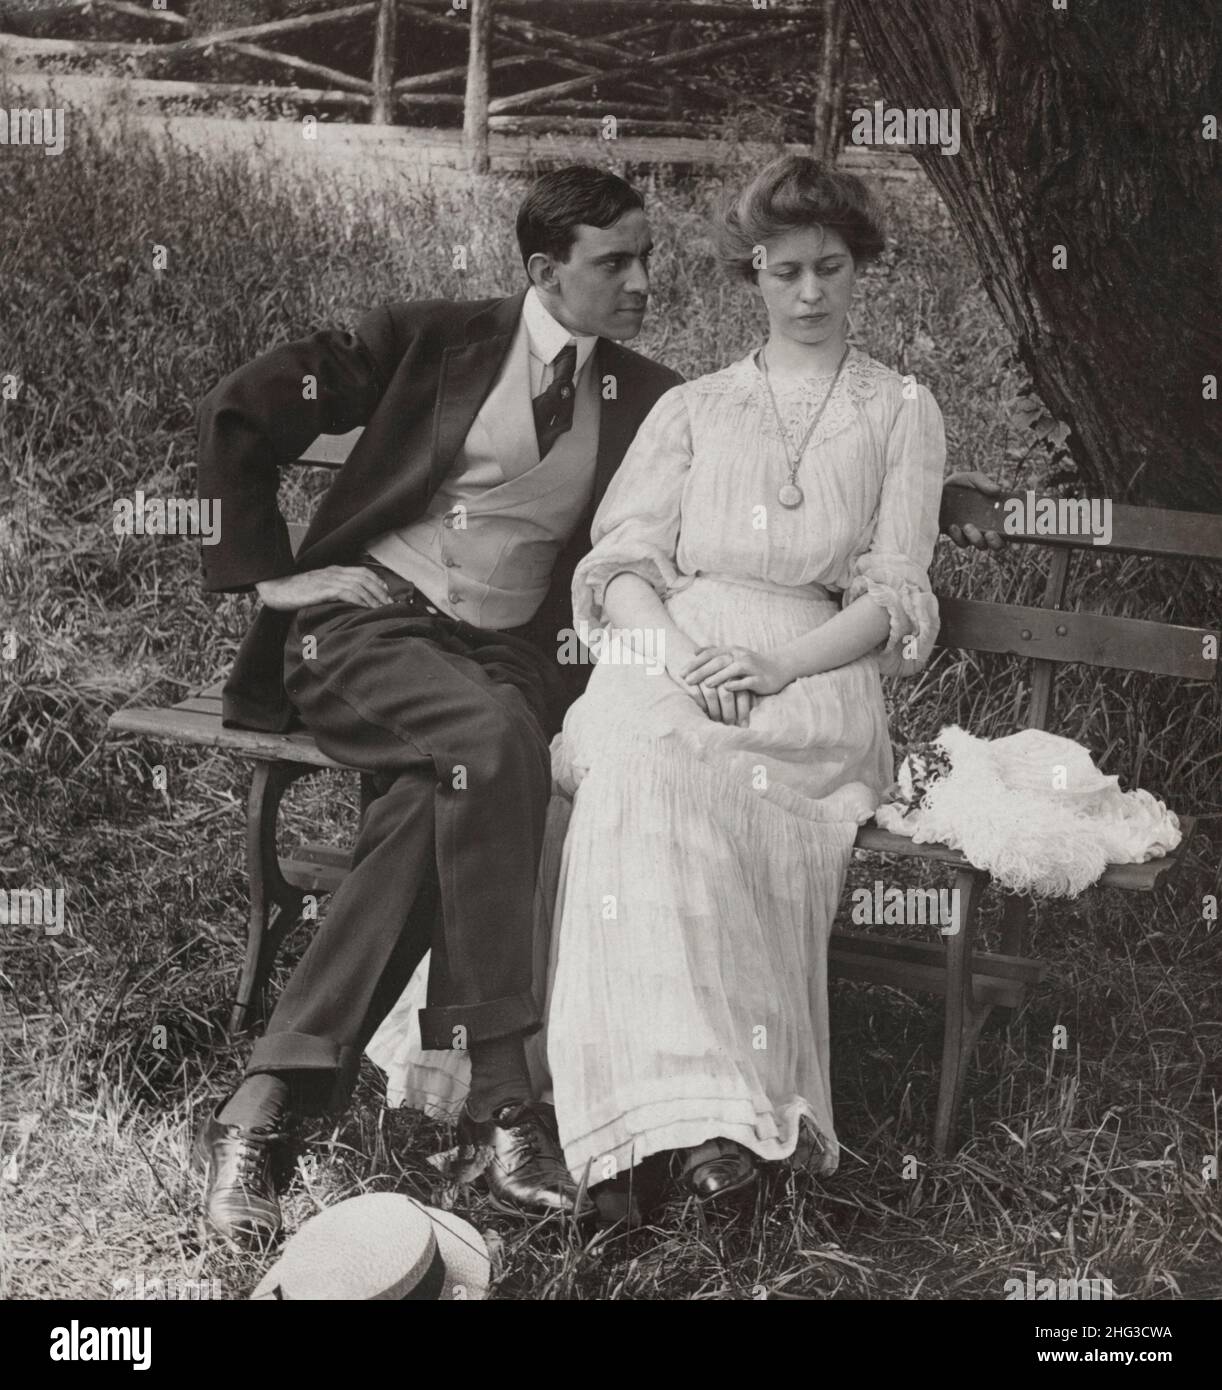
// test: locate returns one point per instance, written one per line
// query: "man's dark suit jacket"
(414, 374)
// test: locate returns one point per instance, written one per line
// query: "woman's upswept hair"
(792, 193)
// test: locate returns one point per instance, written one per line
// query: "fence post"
(383, 112)
(829, 116)
(676, 41)
(479, 77)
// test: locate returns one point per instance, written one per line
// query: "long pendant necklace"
(790, 494)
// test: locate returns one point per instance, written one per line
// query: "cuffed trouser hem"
(496, 1018)
(299, 1052)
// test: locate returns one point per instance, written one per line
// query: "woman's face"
(806, 283)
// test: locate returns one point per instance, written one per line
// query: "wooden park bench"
(972, 981)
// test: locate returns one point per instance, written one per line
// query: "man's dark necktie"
(554, 408)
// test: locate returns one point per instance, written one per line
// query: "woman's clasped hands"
(727, 681)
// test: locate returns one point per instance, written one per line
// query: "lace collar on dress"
(742, 383)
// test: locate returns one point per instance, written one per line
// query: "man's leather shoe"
(526, 1170)
(237, 1165)
(718, 1170)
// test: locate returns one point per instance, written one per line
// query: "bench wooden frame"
(973, 981)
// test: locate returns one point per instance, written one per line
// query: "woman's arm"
(853, 632)
(631, 602)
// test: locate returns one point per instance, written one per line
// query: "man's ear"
(542, 271)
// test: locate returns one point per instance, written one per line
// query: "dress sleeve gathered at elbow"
(636, 527)
(894, 570)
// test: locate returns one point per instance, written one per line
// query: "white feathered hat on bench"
(1031, 808)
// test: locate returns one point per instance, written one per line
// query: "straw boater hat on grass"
(381, 1245)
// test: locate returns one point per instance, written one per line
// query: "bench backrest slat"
(1123, 644)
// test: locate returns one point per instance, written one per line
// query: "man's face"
(603, 287)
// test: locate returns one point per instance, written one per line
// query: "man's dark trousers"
(454, 721)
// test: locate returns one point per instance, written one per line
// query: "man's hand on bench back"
(335, 583)
(963, 536)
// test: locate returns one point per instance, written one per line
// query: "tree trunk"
(1085, 127)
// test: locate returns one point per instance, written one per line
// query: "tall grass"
(1086, 1161)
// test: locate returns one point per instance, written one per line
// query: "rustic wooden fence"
(503, 38)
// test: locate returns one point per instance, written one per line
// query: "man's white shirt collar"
(547, 337)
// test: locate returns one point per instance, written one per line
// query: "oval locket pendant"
(790, 495)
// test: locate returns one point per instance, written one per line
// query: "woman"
(771, 527)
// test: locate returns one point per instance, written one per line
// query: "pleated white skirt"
(700, 876)
(685, 899)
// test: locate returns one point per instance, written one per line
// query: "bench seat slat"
(879, 841)
(207, 731)
(200, 704)
(1141, 878)
(311, 876)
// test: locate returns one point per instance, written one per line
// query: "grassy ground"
(1088, 1161)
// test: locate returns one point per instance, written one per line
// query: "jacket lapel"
(617, 421)
(466, 377)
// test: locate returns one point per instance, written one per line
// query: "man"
(415, 634)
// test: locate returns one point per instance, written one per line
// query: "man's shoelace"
(527, 1134)
(531, 1133)
(252, 1161)
(253, 1153)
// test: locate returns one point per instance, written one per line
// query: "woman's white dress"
(703, 862)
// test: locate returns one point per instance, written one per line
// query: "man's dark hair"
(562, 200)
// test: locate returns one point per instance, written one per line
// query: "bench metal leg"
(1015, 917)
(964, 1017)
(275, 905)
(1016, 913)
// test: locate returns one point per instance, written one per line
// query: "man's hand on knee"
(335, 583)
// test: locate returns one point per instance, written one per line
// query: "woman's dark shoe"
(634, 1198)
(718, 1170)
(618, 1205)
(526, 1170)
(237, 1165)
